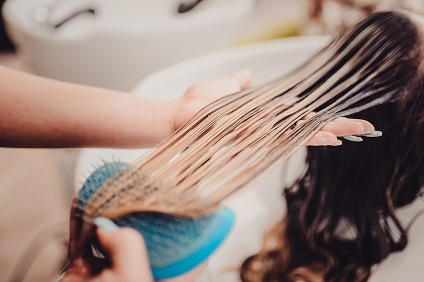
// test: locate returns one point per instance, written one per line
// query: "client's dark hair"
(356, 187)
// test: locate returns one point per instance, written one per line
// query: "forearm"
(38, 112)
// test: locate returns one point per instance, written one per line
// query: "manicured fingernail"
(338, 143)
(105, 224)
(353, 138)
(374, 134)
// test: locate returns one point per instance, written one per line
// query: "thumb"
(243, 77)
(126, 249)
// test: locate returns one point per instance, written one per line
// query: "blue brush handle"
(175, 245)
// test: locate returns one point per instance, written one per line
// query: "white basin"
(114, 44)
(262, 205)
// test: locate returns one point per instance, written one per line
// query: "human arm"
(40, 112)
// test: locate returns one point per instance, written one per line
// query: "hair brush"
(175, 244)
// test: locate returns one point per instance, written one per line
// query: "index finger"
(348, 126)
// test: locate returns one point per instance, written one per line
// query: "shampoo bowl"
(114, 44)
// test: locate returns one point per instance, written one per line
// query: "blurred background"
(116, 44)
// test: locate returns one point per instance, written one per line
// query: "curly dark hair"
(359, 186)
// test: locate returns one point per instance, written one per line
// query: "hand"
(124, 246)
(341, 127)
(128, 253)
(129, 259)
(201, 94)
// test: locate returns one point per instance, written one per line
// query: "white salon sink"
(262, 205)
(114, 44)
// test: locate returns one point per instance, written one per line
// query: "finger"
(345, 127)
(366, 124)
(127, 251)
(228, 85)
(217, 88)
(242, 77)
(324, 138)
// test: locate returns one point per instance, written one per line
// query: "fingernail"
(374, 134)
(338, 143)
(105, 224)
(353, 138)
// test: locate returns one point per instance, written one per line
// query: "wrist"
(164, 118)
(143, 124)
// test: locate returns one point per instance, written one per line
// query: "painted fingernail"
(353, 138)
(105, 224)
(374, 134)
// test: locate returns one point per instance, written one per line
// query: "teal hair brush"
(175, 244)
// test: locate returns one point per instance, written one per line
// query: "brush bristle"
(175, 244)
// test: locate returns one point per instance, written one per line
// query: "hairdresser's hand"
(340, 127)
(129, 258)
(201, 94)
(124, 246)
